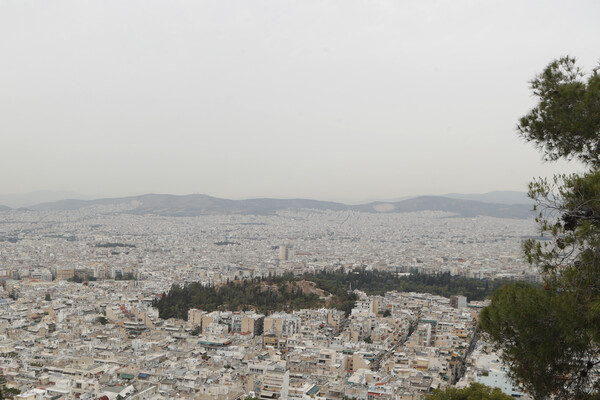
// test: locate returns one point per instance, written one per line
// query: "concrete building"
(195, 316)
(458, 301)
(282, 324)
(276, 383)
(284, 252)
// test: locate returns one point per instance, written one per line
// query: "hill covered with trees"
(325, 289)
(265, 296)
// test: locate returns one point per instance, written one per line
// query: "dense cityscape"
(80, 287)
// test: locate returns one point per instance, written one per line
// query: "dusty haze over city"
(284, 199)
(333, 100)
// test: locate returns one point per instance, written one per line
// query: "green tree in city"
(7, 392)
(550, 335)
(541, 338)
(475, 391)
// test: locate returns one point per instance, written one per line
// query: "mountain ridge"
(200, 204)
(37, 197)
(497, 196)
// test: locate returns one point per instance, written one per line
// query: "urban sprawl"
(77, 319)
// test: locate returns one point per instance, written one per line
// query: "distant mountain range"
(198, 204)
(465, 208)
(502, 197)
(40, 196)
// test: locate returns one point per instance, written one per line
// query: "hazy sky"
(340, 100)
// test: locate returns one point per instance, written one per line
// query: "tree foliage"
(566, 121)
(550, 336)
(543, 342)
(245, 295)
(7, 392)
(475, 391)
(380, 282)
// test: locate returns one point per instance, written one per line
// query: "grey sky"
(343, 100)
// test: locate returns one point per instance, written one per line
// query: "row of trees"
(380, 282)
(475, 391)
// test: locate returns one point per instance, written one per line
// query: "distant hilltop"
(37, 197)
(502, 197)
(198, 204)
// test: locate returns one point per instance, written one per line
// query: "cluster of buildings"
(84, 245)
(67, 340)
(77, 322)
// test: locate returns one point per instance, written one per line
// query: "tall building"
(195, 316)
(284, 253)
(247, 323)
(458, 301)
